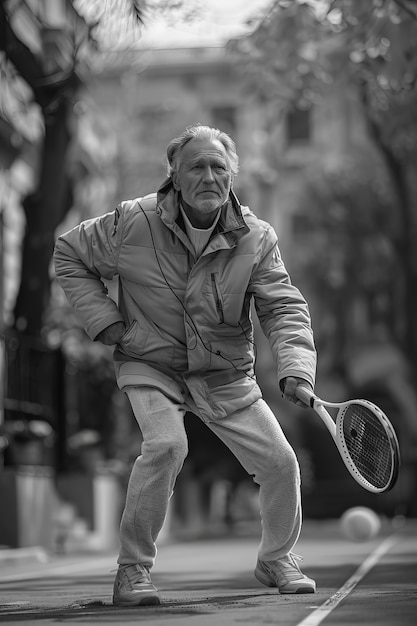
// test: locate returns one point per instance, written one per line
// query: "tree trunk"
(44, 209)
(405, 245)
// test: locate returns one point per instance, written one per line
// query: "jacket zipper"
(217, 297)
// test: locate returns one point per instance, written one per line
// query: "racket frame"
(335, 427)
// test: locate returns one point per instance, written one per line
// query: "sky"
(220, 20)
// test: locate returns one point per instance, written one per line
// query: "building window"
(298, 126)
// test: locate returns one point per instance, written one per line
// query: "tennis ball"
(360, 524)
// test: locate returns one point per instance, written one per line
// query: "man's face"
(203, 174)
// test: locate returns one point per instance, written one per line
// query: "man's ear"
(174, 177)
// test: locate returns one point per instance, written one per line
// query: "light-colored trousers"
(255, 437)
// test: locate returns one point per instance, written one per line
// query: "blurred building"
(148, 96)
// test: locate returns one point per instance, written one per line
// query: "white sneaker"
(133, 587)
(285, 574)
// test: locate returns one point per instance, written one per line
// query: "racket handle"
(305, 394)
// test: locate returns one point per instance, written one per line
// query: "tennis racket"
(364, 437)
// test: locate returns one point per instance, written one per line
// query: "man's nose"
(208, 174)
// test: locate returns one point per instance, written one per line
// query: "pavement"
(208, 581)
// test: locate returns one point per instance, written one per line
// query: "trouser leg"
(153, 475)
(255, 437)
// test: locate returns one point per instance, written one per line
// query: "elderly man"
(190, 260)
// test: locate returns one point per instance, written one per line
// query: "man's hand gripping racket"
(364, 437)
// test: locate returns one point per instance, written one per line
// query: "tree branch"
(21, 57)
(409, 6)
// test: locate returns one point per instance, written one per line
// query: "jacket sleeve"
(82, 257)
(283, 314)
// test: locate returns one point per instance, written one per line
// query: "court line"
(317, 616)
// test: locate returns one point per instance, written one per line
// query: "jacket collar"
(231, 224)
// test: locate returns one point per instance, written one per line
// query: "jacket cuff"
(93, 330)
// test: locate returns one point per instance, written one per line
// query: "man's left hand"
(289, 385)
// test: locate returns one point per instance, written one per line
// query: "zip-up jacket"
(188, 321)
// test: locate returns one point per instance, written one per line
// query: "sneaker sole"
(298, 590)
(151, 600)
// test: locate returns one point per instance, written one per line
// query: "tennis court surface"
(210, 583)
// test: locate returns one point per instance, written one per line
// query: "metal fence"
(33, 399)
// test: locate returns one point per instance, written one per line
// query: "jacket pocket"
(134, 340)
(218, 300)
(129, 332)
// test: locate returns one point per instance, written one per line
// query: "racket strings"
(368, 445)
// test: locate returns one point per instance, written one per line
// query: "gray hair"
(198, 131)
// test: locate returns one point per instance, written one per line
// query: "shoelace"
(136, 574)
(295, 557)
(288, 568)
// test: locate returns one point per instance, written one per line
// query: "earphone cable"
(214, 352)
